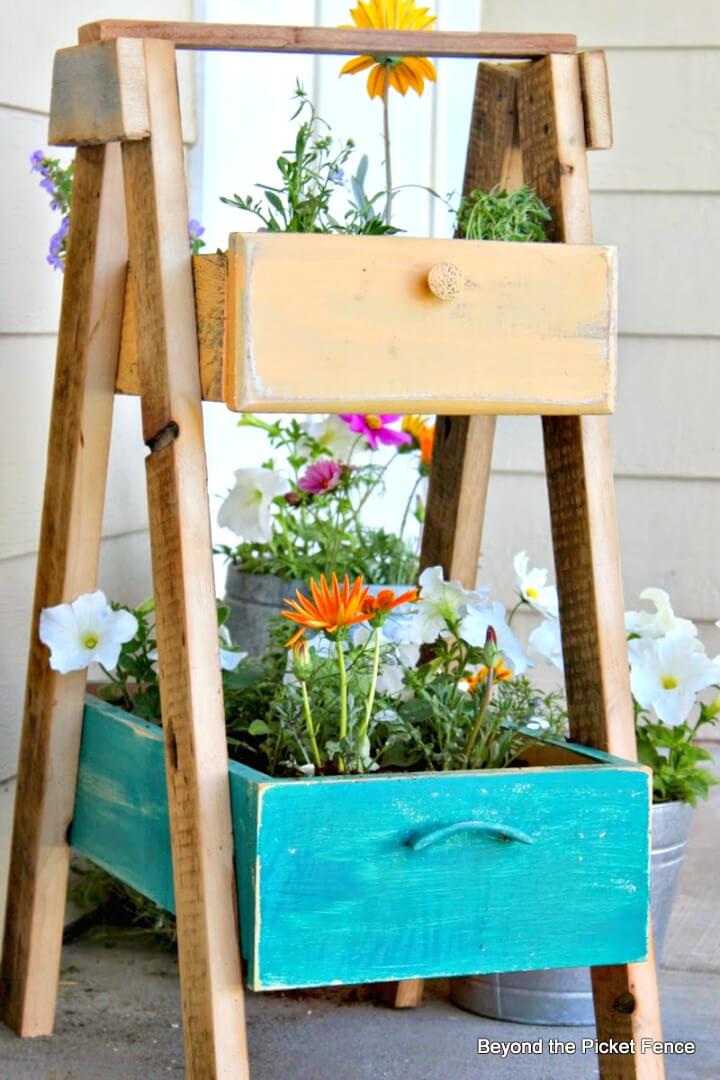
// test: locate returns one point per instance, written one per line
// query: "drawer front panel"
(374, 880)
(350, 324)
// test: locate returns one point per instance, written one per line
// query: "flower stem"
(373, 687)
(386, 141)
(514, 611)
(482, 710)
(310, 726)
(342, 673)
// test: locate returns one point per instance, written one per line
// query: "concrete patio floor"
(119, 1013)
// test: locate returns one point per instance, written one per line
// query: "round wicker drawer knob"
(445, 281)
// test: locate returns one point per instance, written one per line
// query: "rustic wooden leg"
(190, 679)
(78, 449)
(462, 453)
(582, 505)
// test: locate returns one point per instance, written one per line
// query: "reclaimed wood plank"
(532, 331)
(98, 94)
(596, 100)
(230, 37)
(78, 448)
(209, 281)
(186, 619)
(585, 541)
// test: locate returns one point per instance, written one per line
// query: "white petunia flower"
(474, 628)
(246, 510)
(546, 641)
(533, 588)
(659, 623)
(440, 601)
(85, 632)
(334, 434)
(666, 674)
(230, 657)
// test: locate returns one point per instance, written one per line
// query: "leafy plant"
(320, 531)
(499, 214)
(676, 760)
(310, 174)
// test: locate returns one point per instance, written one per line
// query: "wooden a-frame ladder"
(115, 98)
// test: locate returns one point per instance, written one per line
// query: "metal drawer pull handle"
(445, 281)
(503, 832)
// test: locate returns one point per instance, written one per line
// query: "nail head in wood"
(445, 281)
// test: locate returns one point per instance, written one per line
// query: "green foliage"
(518, 216)
(310, 174)
(322, 533)
(675, 759)
(115, 904)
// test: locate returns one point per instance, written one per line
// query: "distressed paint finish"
(332, 892)
(532, 331)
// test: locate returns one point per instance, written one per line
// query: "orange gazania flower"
(385, 600)
(501, 673)
(331, 609)
(400, 72)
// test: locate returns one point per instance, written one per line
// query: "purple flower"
(195, 229)
(322, 476)
(57, 240)
(337, 176)
(36, 161)
(375, 428)
(48, 185)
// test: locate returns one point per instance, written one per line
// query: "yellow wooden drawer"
(336, 323)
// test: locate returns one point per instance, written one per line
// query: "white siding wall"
(29, 309)
(657, 196)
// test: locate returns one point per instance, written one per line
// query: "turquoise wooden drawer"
(345, 880)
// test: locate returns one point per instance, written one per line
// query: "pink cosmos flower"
(375, 428)
(322, 476)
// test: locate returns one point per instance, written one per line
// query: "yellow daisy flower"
(400, 72)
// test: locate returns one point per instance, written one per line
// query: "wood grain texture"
(209, 282)
(321, 903)
(98, 94)
(229, 37)
(186, 620)
(78, 447)
(585, 541)
(596, 100)
(533, 330)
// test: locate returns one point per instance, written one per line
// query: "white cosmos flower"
(246, 510)
(85, 632)
(334, 434)
(546, 641)
(533, 587)
(660, 622)
(474, 628)
(667, 673)
(440, 601)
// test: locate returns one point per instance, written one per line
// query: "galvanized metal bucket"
(563, 996)
(253, 600)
